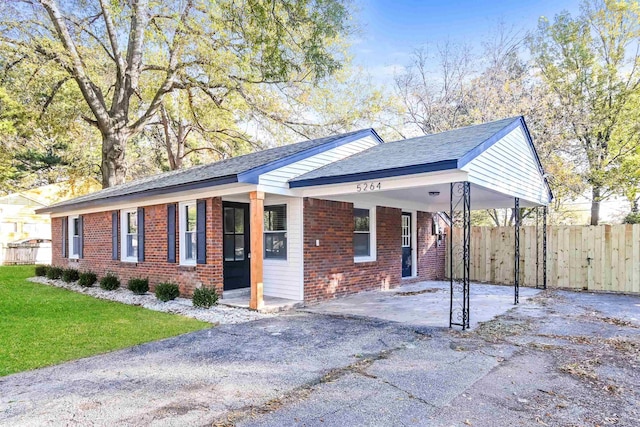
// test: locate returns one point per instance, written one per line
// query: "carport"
(493, 165)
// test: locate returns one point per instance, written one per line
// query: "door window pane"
(229, 247)
(239, 226)
(239, 251)
(229, 220)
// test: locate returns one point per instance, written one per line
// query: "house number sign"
(368, 186)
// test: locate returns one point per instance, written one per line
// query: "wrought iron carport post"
(459, 253)
(516, 260)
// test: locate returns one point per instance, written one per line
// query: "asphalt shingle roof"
(423, 150)
(228, 168)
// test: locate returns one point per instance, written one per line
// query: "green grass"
(41, 325)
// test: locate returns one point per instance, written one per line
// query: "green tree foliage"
(590, 64)
(124, 58)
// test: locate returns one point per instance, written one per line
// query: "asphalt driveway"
(559, 358)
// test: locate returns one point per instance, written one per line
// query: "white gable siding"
(509, 166)
(278, 179)
(284, 278)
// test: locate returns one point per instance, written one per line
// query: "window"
(129, 227)
(364, 241)
(74, 237)
(188, 233)
(275, 232)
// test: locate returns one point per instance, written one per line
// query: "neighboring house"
(20, 223)
(307, 221)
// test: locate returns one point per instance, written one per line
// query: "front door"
(406, 244)
(237, 273)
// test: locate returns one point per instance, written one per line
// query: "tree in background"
(125, 57)
(591, 66)
(454, 88)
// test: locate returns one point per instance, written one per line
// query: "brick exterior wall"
(431, 252)
(97, 250)
(330, 270)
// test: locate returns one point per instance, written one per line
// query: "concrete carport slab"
(424, 303)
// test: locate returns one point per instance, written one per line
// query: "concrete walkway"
(424, 303)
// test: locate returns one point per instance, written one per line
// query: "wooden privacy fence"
(601, 258)
(27, 253)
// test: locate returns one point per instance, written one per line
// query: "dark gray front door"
(236, 241)
(406, 244)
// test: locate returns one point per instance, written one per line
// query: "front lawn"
(41, 325)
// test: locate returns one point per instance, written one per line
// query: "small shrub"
(109, 282)
(87, 279)
(167, 291)
(205, 297)
(138, 286)
(632, 218)
(70, 275)
(41, 270)
(54, 273)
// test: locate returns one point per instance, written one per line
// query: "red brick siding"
(431, 253)
(329, 269)
(97, 250)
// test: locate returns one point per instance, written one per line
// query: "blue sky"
(391, 30)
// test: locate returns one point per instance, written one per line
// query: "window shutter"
(114, 235)
(80, 238)
(140, 234)
(171, 233)
(201, 235)
(65, 236)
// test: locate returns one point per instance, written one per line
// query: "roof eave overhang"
(376, 174)
(109, 201)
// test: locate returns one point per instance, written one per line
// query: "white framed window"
(74, 236)
(129, 235)
(188, 232)
(364, 233)
(275, 232)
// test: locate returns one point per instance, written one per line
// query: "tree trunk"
(113, 152)
(595, 205)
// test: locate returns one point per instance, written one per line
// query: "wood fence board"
(580, 257)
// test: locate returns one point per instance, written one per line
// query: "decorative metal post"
(516, 260)
(459, 254)
(544, 247)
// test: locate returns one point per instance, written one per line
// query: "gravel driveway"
(558, 359)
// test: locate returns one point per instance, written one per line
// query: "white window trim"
(372, 233)
(70, 237)
(182, 226)
(278, 260)
(123, 235)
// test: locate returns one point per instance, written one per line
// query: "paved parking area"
(424, 303)
(557, 359)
